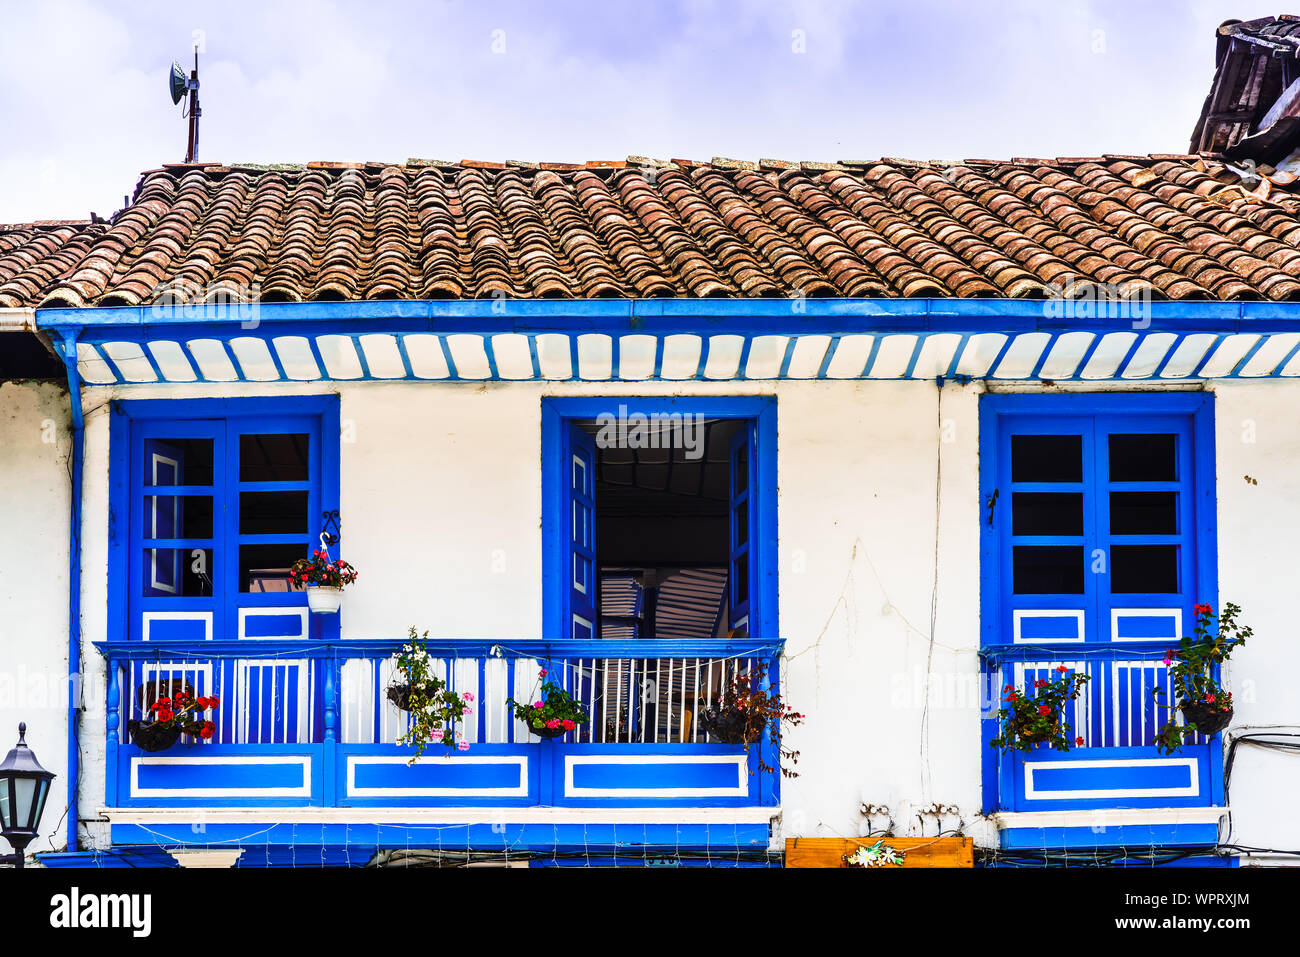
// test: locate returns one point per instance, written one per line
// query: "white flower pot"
(324, 600)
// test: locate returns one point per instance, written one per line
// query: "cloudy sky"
(84, 106)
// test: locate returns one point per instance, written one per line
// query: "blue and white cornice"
(680, 340)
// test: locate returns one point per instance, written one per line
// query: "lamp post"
(24, 786)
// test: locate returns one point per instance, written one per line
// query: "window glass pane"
(177, 572)
(1143, 458)
(740, 521)
(1143, 568)
(1048, 569)
(740, 571)
(265, 568)
(270, 513)
(740, 473)
(273, 458)
(1144, 513)
(177, 462)
(1047, 513)
(1046, 458)
(177, 516)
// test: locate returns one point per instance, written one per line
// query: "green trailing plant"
(1028, 720)
(553, 713)
(435, 710)
(1194, 677)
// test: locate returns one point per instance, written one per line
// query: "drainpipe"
(68, 342)
(24, 320)
(18, 320)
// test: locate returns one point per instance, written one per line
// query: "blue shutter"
(581, 470)
(741, 521)
(164, 465)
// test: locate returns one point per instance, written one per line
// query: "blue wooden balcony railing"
(307, 723)
(1117, 716)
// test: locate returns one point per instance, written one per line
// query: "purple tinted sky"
(84, 107)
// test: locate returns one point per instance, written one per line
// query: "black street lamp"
(24, 786)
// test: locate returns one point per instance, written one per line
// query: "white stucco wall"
(35, 497)
(441, 507)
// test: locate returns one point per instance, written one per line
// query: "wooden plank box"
(917, 851)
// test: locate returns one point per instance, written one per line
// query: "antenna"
(179, 85)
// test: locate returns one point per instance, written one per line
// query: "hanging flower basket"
(324, 599)
(1037, 736)
(400, 693)
(547, 732)
(554, 713)
(1034, 716)
(1194, 679)
(1207, 718)
(153, 736)
(171, 716)
(729, 726)
(435, 709)
(324, 579)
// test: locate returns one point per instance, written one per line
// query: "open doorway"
(662, 529)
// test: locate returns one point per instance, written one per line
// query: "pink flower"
(436, 735)
(538, 705)
(468, 696)
(553, 723)
(469, 711)
(1167, 660)
(464, 745)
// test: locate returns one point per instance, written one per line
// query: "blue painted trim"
(467, 647)
(68, 340)
(557, 412)
(1190, 414)
(1055, 839)
(268, 835)
(638, 315)
(323, 490)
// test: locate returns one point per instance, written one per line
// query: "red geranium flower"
(165, 714)
(1079, 740)
(1044, 710)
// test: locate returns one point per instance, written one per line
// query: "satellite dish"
(179, 83)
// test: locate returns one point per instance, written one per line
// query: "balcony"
(306, 724)
(1116, 786)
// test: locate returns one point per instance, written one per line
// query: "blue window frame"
(567, 522)
(212, 500)
(1098, 536)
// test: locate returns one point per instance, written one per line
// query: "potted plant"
(1029, 720)
(324, 580)
(744, 710)
(173, 715)
(552, 714)
(434, 709)
(1194, 676)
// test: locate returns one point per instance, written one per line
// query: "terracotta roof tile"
(1176, 226)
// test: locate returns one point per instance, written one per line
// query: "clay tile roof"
(1175, 226)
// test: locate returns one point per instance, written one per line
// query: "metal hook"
(331, 521)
